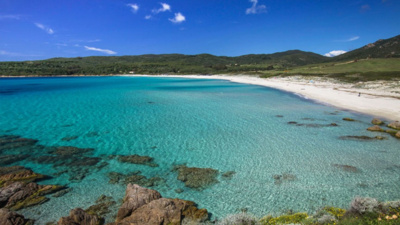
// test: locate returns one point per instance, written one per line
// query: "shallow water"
(201, 123)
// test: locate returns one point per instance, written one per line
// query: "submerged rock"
(197, 178)
(70, 150)
(280, 178)
(69, 138)
(376, 121)
(8, 217)
(376, 128)
(135, 177)
(228, 174)
(9, 175)
(80, 217)
(394, 125)
(9, 159)
(13, 142)
(347, 168)
(145, 206)
(101, 208)
(137, 159)
(348, 119)
(361, 138)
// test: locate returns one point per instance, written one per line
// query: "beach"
(379, 99)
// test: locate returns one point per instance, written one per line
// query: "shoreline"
(379, 99)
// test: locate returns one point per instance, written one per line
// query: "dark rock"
(376, 128)
(144, 206)
(61, 193)
(292, 122)
(101, 208)
(69, 138)
(70, 150)
(9, 159)
(361, 138)
(394, 125)
(279, 116)
(8, 217)
(228, 174)
(333, 125)
(12, 142)
(348, 119)
(398, 134)
(80, 217)
(347, 168)
(92, 134)
(135, 177)
(137, 159)
(377, 121)
(197, 178)
(280, 178)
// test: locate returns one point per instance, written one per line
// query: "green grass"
(350, 71)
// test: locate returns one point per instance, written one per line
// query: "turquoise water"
(202, 123)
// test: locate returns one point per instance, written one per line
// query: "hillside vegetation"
(379, 60)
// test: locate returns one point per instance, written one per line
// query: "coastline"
(379, 99)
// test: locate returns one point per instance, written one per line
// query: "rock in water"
(348, 119)
(197, 178)
(145, 206)
(377, 121)
(395, 125)
(376, 128)
(80, 217)
(8, 217)
(398, 134)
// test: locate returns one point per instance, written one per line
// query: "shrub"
(239, 219)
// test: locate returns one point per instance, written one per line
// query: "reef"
(196, 178)
(134, 177)
(347, 168)
(280, 178)
(137, 159)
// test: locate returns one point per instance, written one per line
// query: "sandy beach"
(379, 99)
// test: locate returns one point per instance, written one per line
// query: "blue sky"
(41, 29)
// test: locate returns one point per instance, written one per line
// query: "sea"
(274, 151)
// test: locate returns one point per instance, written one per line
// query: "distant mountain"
(384, 48)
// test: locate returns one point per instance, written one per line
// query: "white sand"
(379, 99)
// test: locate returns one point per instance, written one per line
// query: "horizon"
(32, 31)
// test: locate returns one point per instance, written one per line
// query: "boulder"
(11, 174)
(8, 217)
(398, 134)
(376, 121)
(80, 217)
(376, 128)
(394, 125)
(165, 211)
(145, 206)
(135, 197)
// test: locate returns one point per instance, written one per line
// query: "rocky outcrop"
(398, 134)
(80, 217)
(348, 119)
(376, 128)
(361, 138)
(394, 125)
(18, 191)
(376, 121)
(197, 178)
(8, 217)
(135, 197)
(145, 206)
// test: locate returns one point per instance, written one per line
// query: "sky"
(42, 29)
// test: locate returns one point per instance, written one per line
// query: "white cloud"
(134, 7)
(100, 50)
(353, 38)
(334, 53)
(45, 28)
(10, 17)
(165, 7)
(147, 17)
(179, 18)
(255, 9)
